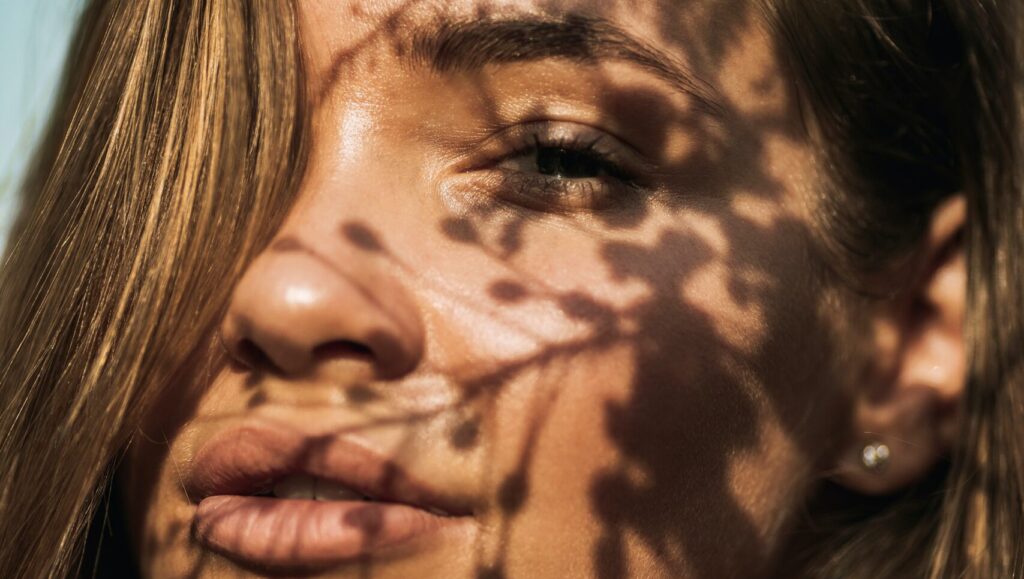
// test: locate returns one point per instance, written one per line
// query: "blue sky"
(33, 40)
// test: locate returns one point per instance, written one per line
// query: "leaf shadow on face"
(698, 398)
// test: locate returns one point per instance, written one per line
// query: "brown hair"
(175, 119)
(180, 117)
(913, 102)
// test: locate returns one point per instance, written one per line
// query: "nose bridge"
(303, 302)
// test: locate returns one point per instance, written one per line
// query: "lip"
(301, 534)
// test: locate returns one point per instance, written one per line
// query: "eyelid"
(524, 136)
(629, 175)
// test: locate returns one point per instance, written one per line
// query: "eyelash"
(615, 183)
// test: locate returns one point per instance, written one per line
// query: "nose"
(294, 310)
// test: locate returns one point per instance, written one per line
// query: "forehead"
(352, 20)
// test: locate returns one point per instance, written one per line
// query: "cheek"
(675, 466)
(677, 440)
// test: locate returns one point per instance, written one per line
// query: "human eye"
(562, 167)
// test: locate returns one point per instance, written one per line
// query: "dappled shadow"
(724, 298)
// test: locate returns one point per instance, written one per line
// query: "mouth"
(273, 498)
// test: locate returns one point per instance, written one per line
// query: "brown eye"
(564, 161)
(559, 167)
(570, 164)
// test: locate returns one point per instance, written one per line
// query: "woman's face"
(548, 295)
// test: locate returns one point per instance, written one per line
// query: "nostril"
(343, 349)
(253, 356)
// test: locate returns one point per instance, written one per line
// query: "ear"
(914, 382)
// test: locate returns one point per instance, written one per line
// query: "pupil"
(558, 162)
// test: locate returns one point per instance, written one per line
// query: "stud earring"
(875, 456)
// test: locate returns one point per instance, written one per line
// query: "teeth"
(303, 486)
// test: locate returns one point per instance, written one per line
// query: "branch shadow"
(692, 405)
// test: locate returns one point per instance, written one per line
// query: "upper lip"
(248, 458)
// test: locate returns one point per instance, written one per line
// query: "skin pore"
(557, 261)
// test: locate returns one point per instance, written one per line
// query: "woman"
(704, 289)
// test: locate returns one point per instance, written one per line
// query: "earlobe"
(910, 407)
(909, 425)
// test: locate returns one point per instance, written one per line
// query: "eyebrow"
(458, 46)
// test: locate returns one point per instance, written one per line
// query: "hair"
(178, 118)
(176, 131)
(914, 102)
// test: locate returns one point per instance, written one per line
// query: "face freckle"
(551, 261)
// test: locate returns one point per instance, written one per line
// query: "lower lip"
(306, 534)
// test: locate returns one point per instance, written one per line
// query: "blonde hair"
(171, 157)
